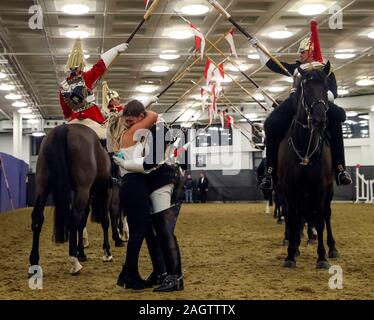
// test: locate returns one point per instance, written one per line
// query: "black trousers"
(135, 199)
(203, 196)
(278, 122)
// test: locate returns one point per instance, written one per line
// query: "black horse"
(305, 170)
(73, 165)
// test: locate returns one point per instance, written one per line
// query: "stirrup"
(267, 182)
(344, 178)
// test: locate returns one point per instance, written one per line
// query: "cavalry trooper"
(76, 91)
(278, 122)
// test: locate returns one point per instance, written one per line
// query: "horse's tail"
(58, 161)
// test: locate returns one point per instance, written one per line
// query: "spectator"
(188, 188)
(202, 187)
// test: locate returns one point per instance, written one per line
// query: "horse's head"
(313, 95)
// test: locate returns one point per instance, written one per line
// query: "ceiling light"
(371, 35)
(29, 116)
(160, 69)
(3, 75)
(180, 34)
(19, 104)
(251, 116)
(312, 9)
(342, 92)
(344, 55)
(75, 9)
(74, 34)
(86, 56)
(194, 9)
(146, 89)
(38, 134)
(24, 110)
(276, 89)
(280, 34)
(169, 55)
(242, 67)
(33, 121)
(372, 109)
(12, 96)
(259, 96)
(351, 114)
(6, 87)
(253, 56)
(365, 82)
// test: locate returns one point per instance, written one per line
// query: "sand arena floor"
(229, 251)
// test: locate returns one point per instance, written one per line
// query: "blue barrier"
(13, 171)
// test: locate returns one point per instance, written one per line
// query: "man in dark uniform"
(278, 122)
(202, 187)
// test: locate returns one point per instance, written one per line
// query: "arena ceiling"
(34, 60)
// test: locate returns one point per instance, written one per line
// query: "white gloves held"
(253, 41)
(121, 48)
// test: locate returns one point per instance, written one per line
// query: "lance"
(180, 75)
(187, 92)
(239, 84)
(220, 9)
(236, 109)
(177, 118)
(146, 16)
(243, 73)
(241, 114)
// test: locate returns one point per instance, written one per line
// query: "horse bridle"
(306, 159)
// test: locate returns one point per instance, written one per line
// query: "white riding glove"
(111, 54)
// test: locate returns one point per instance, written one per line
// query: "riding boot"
(271, 151)
(164, 223)
(337, 153)
(159, 269)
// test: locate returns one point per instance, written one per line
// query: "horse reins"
(306, 159)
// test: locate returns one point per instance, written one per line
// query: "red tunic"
(90, 78)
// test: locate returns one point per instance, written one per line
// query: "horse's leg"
(37, 217)
(321, 251)
(115, 212)
(294, 227)
(81, 228)
(75, 221)
(107, 257)
(333, 252)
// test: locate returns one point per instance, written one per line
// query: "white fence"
(364, 188)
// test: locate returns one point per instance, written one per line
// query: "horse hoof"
(311, 242)
(82, 258)
(107, 258)
(289, 264)
(297, 253)
(334, 254)
(285, 243)
(119, 243)
(323, 265)
(76, 267)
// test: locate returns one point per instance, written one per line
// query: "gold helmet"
(76, 58)
(112, 95)
(305, 44)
